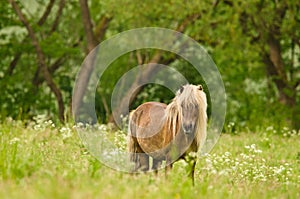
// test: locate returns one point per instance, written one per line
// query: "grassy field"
(45, 161)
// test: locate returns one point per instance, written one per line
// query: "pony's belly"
(161, 148)
(154, 146)
(148, 121)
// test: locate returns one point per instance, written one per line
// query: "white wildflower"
(66, 132)
(14, 140)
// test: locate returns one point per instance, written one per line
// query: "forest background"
(255, 44)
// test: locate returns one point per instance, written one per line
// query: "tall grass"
(41, 160)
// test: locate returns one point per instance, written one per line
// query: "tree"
(41, 60)
(271, 29)
(256, 40)
(278, 37)
(255, 44)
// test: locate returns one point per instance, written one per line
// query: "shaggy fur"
(156, 129)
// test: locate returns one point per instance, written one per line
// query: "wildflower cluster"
(42, 122)
(230, 127)
(285, 131)
(247, 166)
(104, 143)
(120, 140)
(66, 132)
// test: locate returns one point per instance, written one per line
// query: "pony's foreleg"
(156, 165)
(169, 165)
(192, 171)
(168, 169)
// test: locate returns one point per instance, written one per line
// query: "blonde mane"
(191, 95)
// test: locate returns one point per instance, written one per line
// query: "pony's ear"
(200, 87)
(181, 89)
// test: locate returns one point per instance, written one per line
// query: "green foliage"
(235, 34)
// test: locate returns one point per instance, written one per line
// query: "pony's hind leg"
(143, 162)
(137, 155)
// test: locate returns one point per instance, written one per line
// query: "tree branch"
(37, 80)
(61, 6)
(46, 13)
(41, 21)
(296, 40)
(87, 25)
(297, 84)
(101, 28)
(139, 57)
(13, 63)
(187, 21)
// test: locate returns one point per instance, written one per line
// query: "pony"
(168, 132)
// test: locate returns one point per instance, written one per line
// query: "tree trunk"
(275, 71)
(41, 60)
(87, 67)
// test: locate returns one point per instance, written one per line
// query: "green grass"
(44, 161)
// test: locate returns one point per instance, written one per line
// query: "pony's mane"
(191, 95)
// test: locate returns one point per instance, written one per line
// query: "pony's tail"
(132, 148)
(132, 141)
(136, 155)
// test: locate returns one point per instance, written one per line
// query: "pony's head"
(187, 113)
(191, 102)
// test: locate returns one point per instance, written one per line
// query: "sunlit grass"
(42, 160)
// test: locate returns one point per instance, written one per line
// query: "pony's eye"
(181, 89)
(200, 87)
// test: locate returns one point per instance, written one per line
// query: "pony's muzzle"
(188, 129)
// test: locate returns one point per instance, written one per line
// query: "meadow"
(42, 160)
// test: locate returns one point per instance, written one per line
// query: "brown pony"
(168, 132)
